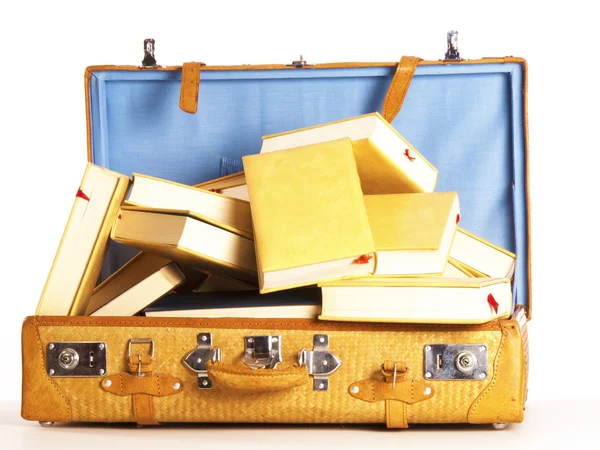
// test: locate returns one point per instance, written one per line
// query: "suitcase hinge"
(452, 53)
(149, 61)
(320, 362)
(299, 63)
(197, 359)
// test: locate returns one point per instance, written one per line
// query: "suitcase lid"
(468, 118)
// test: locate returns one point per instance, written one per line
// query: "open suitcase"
(468, 117)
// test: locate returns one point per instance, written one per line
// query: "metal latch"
(452, 53)
(320, 362)
(299, 63)
(262, 352)
(456, 362)
(76, 359)
(197, 359)
(149, 61)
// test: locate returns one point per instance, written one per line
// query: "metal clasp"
(197, 360)
(262, 352)
(320, 362)
(452, 53)
(149, 61)
(140, 341)
(299, 63)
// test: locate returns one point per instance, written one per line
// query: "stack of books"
(338, 221)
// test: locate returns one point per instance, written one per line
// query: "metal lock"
(197, 359)
(262, 352)
(456, 362)
(320, 362)
(76, 359)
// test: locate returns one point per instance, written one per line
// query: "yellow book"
(456, 270)
(122, 284)
(225, 212)
(481, 257)
(78, 260)
(233, 185)
(310, 222)
(412, 232)
(417, 300)
(387, 163)
(184, 239)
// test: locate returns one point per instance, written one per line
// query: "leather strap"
(395, 414)
(160, 385)
(143, 409)
(399, 86)
(190, 87)
(408, 391)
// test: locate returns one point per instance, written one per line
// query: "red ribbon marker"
(407, 154)
(493, 303)
(216, 191)
(363, 259)
(457, 218)
(119, 216)
(80, 194)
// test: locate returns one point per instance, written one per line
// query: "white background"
(45, 47)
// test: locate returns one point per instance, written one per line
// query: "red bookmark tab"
(407, 154)
(119, 217)
(363, 259)
(493, 303)
(80, 194)
(457, 218)
(216, 191)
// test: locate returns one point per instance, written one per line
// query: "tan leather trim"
(487, 60)
(399, 87)
(160, 385)
(282, 324)
(41, 398)
(143, 409)
(408, 391)
(521, 318)
(503, 399)
(190, 86)
(395, 414)
(246, 379)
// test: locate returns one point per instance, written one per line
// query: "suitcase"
(468, 117)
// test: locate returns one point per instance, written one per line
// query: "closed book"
(233, 185)
(220, 210)
(121, 283)
(417, 300)
(481, 257)
(309, 216)
(78, 260)
(216, 283)
(303, 303)
(413, 233)
(456, 270)
(387, 163)
(184, 239)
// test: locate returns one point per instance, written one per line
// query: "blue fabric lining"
(466, 119)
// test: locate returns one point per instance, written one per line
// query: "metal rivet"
(427, 374)
(482, 375)
(321, 339)
(51, 372)
(428, 348)
(176, 386)
(107, 383)
(427, 391)
(101, 346)
(482, 348)
(199, 360)
(325, 362)
(321, 385)
(275, 339)
(102, 371)
(205, 383)
(204, 338)
(51, 346)
(250, 340)
(355, 389)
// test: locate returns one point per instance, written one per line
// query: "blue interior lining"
(466, 119)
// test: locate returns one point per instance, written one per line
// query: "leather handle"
(256, 380)
(399, 87)
(190, 87)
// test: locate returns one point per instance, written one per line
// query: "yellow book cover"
(387, 163)
(310, 222)
(413, 233)
(417, 300)
(78, 260)
(184, 239)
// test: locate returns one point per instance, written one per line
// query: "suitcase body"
(468, 118)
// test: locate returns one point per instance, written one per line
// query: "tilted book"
(78, 260)
(412, 232)
(233, 185)
(387, 163)
(310, 222)
(184, 239)
(417, 300)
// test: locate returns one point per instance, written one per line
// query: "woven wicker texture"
(361, 352)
